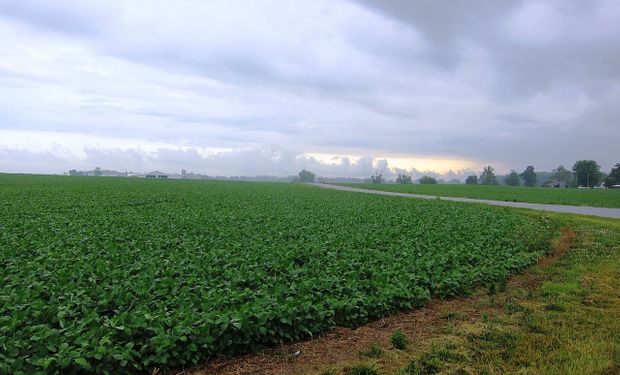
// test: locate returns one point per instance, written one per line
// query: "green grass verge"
(573, 197)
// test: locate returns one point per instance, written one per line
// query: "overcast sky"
(341, 87)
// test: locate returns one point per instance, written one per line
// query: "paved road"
(580, 210)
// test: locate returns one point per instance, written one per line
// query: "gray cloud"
(70, 16)
(510, 83)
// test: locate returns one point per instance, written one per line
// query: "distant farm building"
(157, 174)
(555, 184)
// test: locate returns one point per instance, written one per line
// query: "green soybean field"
(120, 275)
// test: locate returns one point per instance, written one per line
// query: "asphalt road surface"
(580, 210)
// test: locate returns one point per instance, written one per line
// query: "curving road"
(613, 213)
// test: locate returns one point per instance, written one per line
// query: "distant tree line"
(97, 172)
(427, 180)
(403, 179)
(585, 173)
(614, 176)
(305, 176)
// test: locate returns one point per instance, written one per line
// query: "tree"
(488, 176)
(471, 180)
(377, 178)
(587, 172)
(403, 179)
(614, 176)
(306, 176)
(98, 171)
(512, 179)
(529, 176)
(427, 180)
(562, 174)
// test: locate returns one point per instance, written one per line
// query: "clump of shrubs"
(399, 340)
(363, 369)
(374, 351)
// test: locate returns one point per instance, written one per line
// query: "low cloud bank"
(274, 161)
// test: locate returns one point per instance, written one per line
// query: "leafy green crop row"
(121, 275)
(572, 197)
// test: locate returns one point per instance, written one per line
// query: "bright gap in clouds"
(402, 162)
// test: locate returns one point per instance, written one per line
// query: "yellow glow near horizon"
(439, 165)
(430, 164)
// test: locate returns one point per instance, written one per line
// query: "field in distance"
(567, 196)
(126, 275)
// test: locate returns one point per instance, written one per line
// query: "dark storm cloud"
(446, 24)
(69, 16)
(532, 44)
(481, 81)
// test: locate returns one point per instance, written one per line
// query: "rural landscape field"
(126, 275)
(571, 197)
(331, 187)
